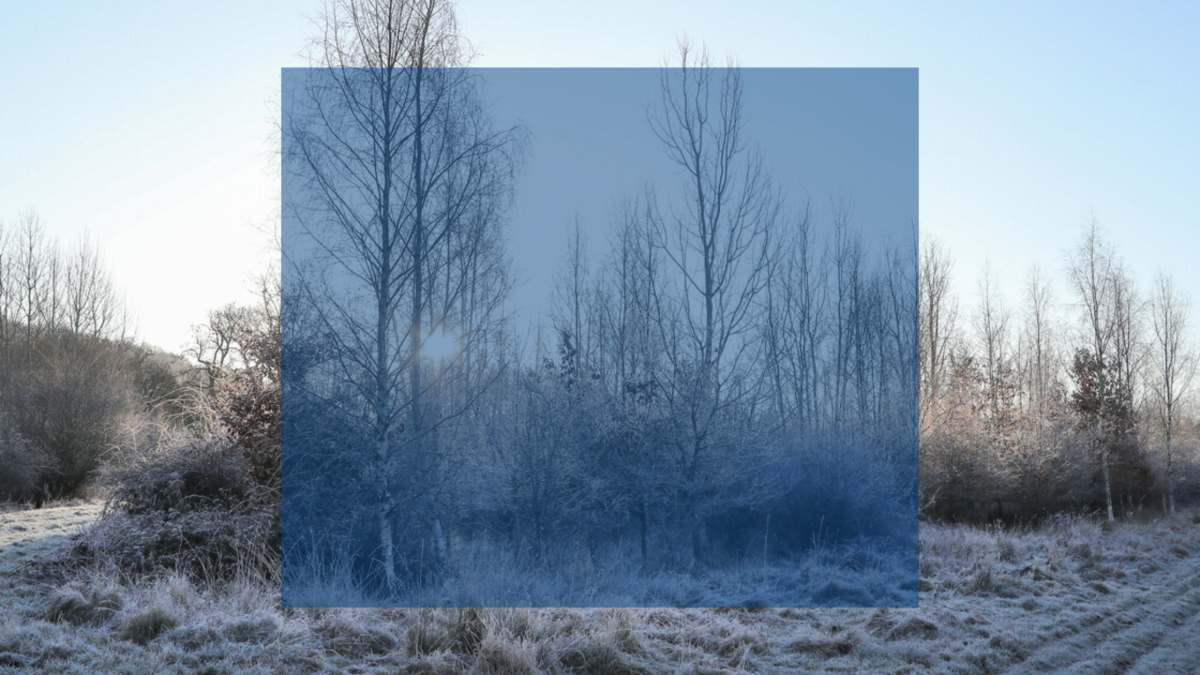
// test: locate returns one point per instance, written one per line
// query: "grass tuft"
(914, 627)
(343, 633)
(147, 624)
(498, 656)
(1006, 549)
(71, 606)
(598, 656)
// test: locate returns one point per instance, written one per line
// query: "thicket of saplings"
(1025, 415)
(561, 479)
(187, 459)
(724, 387)
(568, 468)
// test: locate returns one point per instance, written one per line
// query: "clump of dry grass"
(146, 624)
(839, 643)
(598, 655)
(1006, 549)
(1082, 551)
(73, 606)
(207, 544)
(512, 641)
(913, 627)
(259, 627)
(499, 656)
(835, 593)
(982, 578)
(344, 633)
(459, 630)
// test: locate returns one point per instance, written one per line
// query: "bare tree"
(1042, 364)
(406, 178)
(31, 275)
(846, 256)
(904, 312)
(991, 324)
(939, 318)
(1175, 364)
(573, 296)
(1091, 271)
(215, 344)
(91, 307)
(1128, 348)
(720, 243)
(8, 299)
(804, 326)
(68, 380)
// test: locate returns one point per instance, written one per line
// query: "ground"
(1070, 597)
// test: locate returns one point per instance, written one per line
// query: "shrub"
(19, 464)
(201, 544)
(191, 507)
(250, 412)
(196, 475)
(70, 397)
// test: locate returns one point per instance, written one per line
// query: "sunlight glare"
(440, 345)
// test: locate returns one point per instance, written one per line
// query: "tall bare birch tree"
(1174, 366)
(719, 241)
(939, 318)
(1091, 267)
(403, 176)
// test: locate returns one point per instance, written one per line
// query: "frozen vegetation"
(856, 574)
(1073, 596)
(732, 377)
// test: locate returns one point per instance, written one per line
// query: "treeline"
(736, 378)
(194, 488)
(72, 383)
(78, 396)
(613, 437)
(1063, 404)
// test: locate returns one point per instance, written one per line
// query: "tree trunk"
(642, 531)
(382, 385)
(1170, 470)
(388, 546)
(1107, 482)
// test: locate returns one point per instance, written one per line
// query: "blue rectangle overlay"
(600, 337)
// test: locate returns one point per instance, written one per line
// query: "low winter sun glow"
(440, 345)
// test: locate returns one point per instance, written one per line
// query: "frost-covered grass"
(856, 574)
(1070, 597)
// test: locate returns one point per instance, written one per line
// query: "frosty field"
(1067, 598)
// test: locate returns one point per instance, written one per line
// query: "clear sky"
(149, 125)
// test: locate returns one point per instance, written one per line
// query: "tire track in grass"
(1176, 652)
(1128, 646)
(1112, 639)
(1073, 629)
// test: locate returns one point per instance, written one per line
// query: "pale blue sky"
(149, 125)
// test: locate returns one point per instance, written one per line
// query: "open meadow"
(1071, 597)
